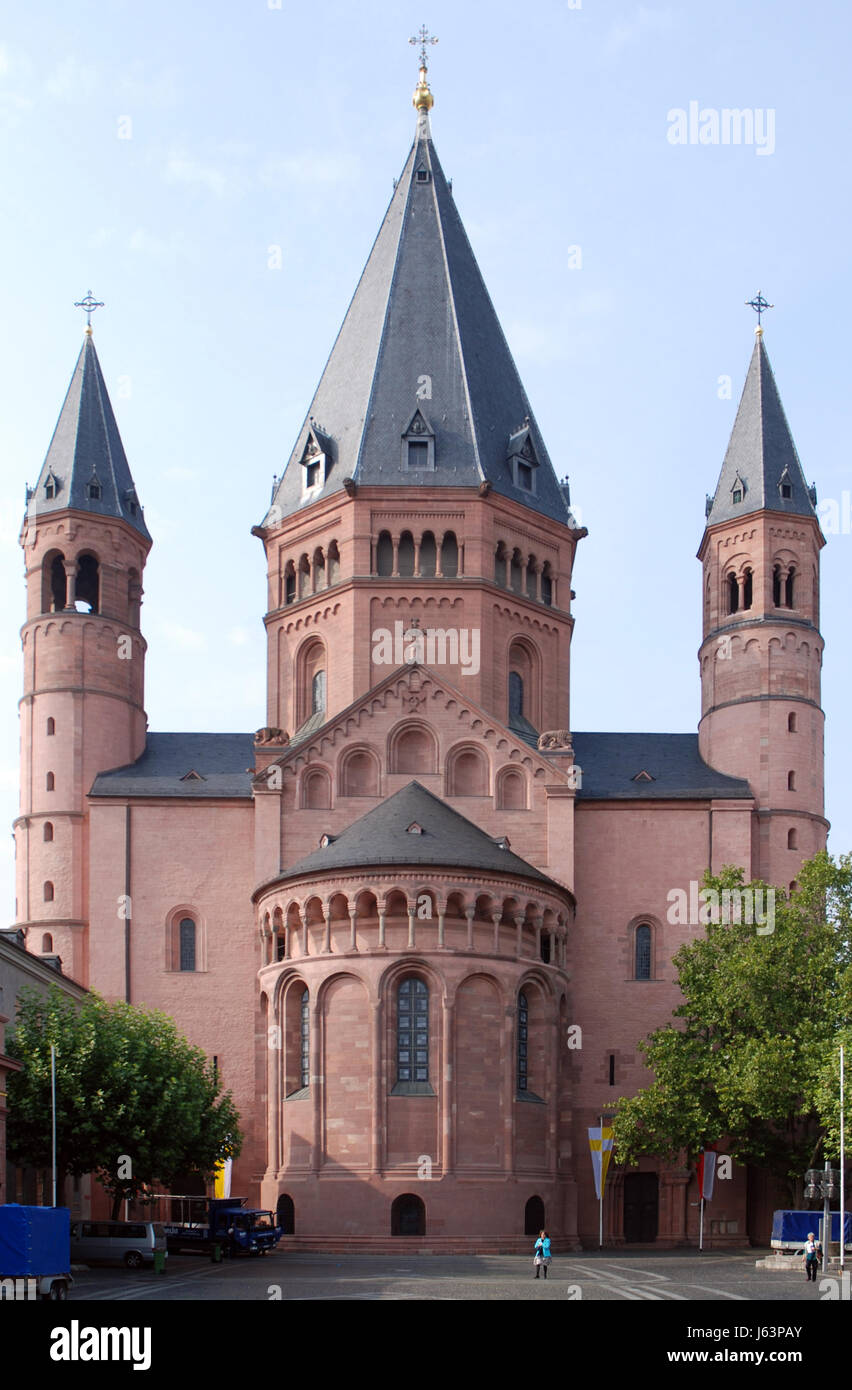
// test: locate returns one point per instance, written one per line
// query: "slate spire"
(86, 468)
(761, 470)
(421, 334)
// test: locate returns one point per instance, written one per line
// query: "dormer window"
(522, 458)
(93, 488)
(786, 490)
(738, 490)
(785, 486)
(131, 501)
(418, 445)
(51, 486)
(315, 461)
(422, 175)
(738, 494)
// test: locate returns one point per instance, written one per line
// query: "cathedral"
(420, 922)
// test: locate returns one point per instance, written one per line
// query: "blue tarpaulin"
(34, 1240)
(790, 1228)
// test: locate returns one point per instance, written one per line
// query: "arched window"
(792, 839)
(500, 565)
(428, 555)
(412, 1031)
(47, 944)
(289, 582)
(186, 943)
(318, 692)
(305, 1040)
(789, 587)
(523, 1041)
(733, 593)
(53, 583)
(531, 573)
(791, 781)
(384, 554)
(547, 585)
(51, 727)
(516, 694)
(316, 790)
(311, 685)
(468, 773)
(449, 555)
(748, 589)
(50, 782)
(87, 584)
(776, 586)
(511, 790)
(408, 1215)
(48, 892)
(48, 831)
(319, 570)
(304, 576)
(642, 953)
(406, 555)
(516, 572)
(333, 564)
(791, 723)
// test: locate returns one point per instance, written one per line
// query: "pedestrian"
(542, 1253)
(811, 1253)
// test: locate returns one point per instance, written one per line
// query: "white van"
(132, 1243)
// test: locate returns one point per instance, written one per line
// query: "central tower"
(420, 490)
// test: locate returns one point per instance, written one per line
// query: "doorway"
(641, 1208)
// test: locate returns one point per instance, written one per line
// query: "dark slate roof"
(421, 309)
(220, 760)
(761, 452)
(86, 446)
(610, 762)
(448, 840)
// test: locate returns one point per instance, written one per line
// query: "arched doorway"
(286, 1215)
(533, 1216)
(408, 1216)
(641, 1208)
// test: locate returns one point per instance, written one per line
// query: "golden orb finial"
(423, 99)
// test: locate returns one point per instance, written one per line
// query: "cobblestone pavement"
(664, 1277)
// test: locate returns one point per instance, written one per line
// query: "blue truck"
(35, 1252)
(790, 1229)
(203, 1223)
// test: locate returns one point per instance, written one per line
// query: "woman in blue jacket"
(542, 1253)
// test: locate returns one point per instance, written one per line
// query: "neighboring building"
(382, 912)
(19, 969)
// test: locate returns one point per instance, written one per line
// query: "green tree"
(753, 1057)
(136, 1103)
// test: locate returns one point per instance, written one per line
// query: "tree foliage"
(136, 1103)
(753, 1058)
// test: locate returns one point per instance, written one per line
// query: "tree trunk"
(118, 1198)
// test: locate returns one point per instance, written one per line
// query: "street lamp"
(825, 1183)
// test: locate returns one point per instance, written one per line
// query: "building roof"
(444, 839)
(191, 766)
(86, 448)
(662, 767)
(761, 454)
(421, 334)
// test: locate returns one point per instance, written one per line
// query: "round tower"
(85, 543)
(761, 654)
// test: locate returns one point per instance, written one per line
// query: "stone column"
(70, 567)
(417, 557)
(519, 939)
(353, 938)
(411, 910)
(469, 913)
(395, 570)
(495, 917)
(442, 912)
(326, 945)
(304, 931)
(448, 1088)
(382, 915)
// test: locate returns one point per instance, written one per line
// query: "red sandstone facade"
(186, 883)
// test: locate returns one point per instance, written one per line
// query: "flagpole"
(600, 1198)
(701, 1225)
(53, 1114)
(842, 1170)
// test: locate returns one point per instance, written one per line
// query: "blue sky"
(155, 153)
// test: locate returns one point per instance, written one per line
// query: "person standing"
(542, 1253)
(811, 1254)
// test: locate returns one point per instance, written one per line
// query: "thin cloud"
(180, 169)
(624, 32)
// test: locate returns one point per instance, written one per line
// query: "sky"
(216, 174)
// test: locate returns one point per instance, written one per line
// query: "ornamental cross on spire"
(759, 305)
(423, 37)
(90, 304)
